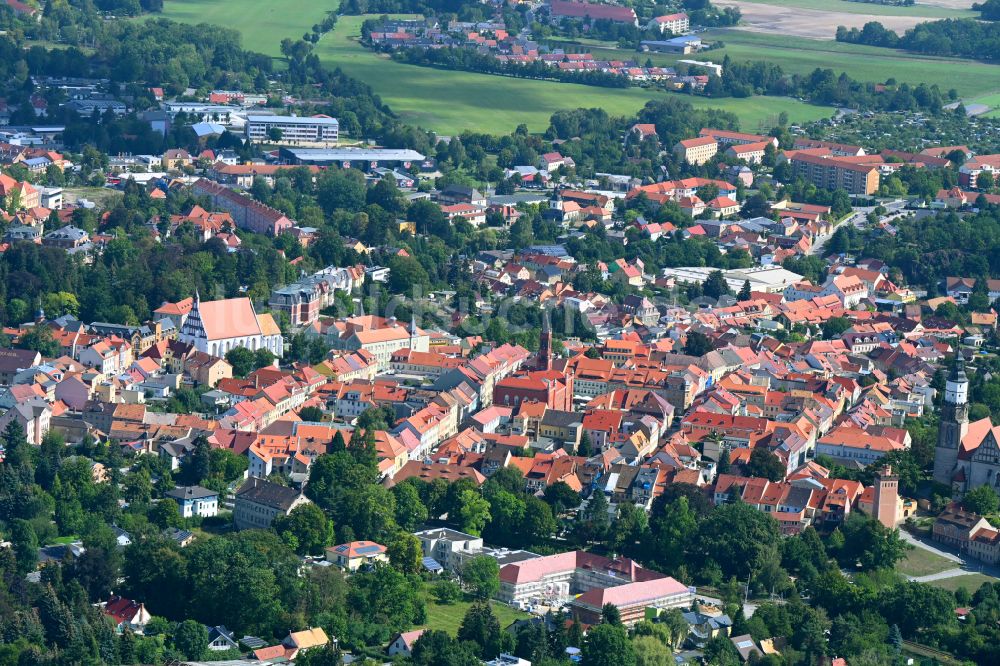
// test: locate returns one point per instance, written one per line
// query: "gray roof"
(269, 494)
(67, 233)
(355, 154)
(291, 120)
(190, 493)
(559, 418)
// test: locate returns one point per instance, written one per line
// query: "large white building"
(294, 129)
(217, 327)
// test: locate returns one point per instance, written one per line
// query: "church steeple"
(954, 421)
(545, 343)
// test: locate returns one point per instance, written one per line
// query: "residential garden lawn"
(920, 562)
(449, 102)
(63, 541)
(848, 7)
(971, 582)
(263, 23)
(102, 196)
(448, 617)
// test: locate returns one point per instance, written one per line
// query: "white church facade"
(217, 327)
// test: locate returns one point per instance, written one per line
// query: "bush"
(447, 592)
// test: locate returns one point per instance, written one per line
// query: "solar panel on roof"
(431, 564)
(363, 550)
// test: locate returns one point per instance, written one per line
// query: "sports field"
(451, 101)
(263, 23)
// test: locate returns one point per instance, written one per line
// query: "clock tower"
(954, 422)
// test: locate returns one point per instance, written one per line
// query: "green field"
(971, 582)
(847, 7)
(263, 23)
(448, 617)
(920, 562)
(450, 101)
(797, 55)
(992, 101)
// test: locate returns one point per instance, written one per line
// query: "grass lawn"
(920, 562)
(848, 7)
(449, 101)
(263, 23)
(971, 582)
(62, 541)
(449, 617)
(102, 196)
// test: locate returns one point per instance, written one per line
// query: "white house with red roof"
(402, 644)
(678, 24)
(127, 614)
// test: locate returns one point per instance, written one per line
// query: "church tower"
(954, 422)
(884, 506)
(545, 343)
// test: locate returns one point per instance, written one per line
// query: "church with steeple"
(967, 455)
(218, 327)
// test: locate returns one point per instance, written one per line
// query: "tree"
(437, 648)
(40, 339)
(982, 500)
(191, 639)
(765, 464)
(744, 294)
(979, 299)
(756, 205)
(405, 553)
(870, 543)
(56, 617)
(305, 529)
(198, 467)
(610, 614)
(593, 525)
(672, 528)
(326, 655)
(697, 344)
(738, 538)
(561, 497)
(720, 651)
(242, 360)
(446, 591)
(835, 326)
(165, 513)
(313, 414)
(410, 509)
(473, 512)
(25, 542)
(481, 627)
(608, 645)
(716, 286)
(650, 651)
(481, 576)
